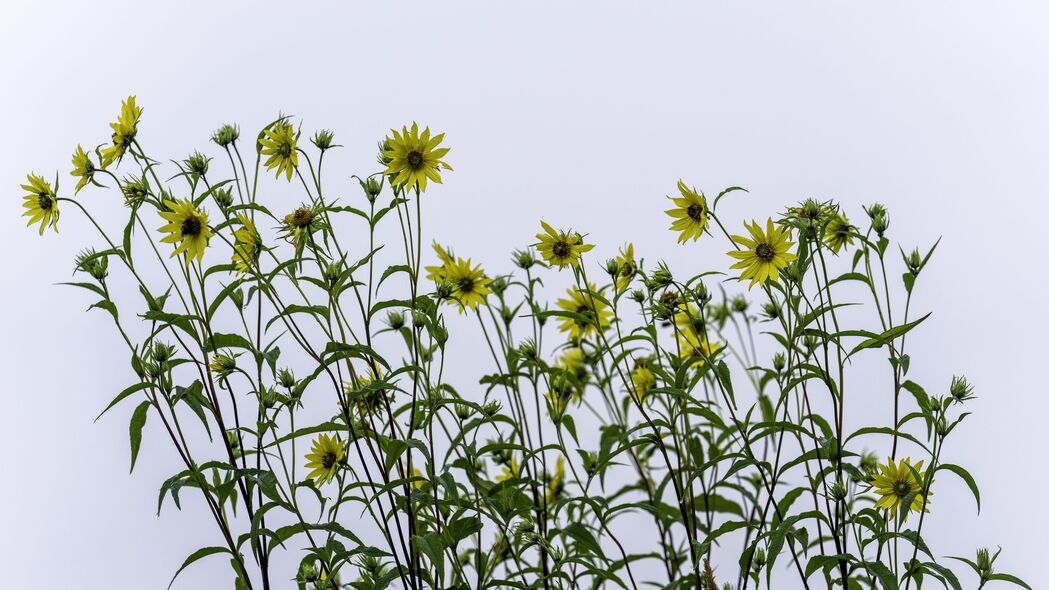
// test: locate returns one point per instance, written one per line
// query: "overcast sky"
(584, 114)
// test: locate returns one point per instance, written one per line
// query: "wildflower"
(411, 158)
(572, 361)
(470, 286)
(556, 485)
(246, 245)
(437, 273)
(300, 224)
(961, 389)
(83, 168)
(222, 365)
(689, 213)
(226, 135)
(124, 130)
(837, 234)
(560, 248)
(642, 379)
(524, 259)
(41, 204)
(186, 227)
(135, 190)
(627, 268)
(897, 481)
(691, 339)
(325, 458)
(763, 254)
(593, 312)
(279, 145)
(323, 139)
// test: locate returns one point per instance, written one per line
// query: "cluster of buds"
(879, 218)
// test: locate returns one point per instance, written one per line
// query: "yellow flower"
(124, 130)
(412, 158)
(688, 324)
(556, 484)
(689, 213)
(895, 482)
(560, 248)
(838, 233)
(325, 458)
(572, 361)
(299, 224)
(469, 285)
(278, 144)
(82, 168)
(510, 471)
(438, 272)
(186, 227)
(627, 268)
(41, 204)
(587, 304)
(246, 245)
(763, 254)
(642, 380)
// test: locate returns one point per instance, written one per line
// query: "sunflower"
(124, 130)
(594, 312)
(278, 143)
(838, 233)
(556, 484)
(41, 204)
(688, 324)
(246, 245)
(325, 458)
(627, 268)
(689, 213)
(510, 471)
(895, 482)
(469, 285)
(299, 224)
(763, 254)
(437, 273)
(412, 158)
(82, 168)
(186, 227)
(572, 361)
(642, 379)
(560, 248)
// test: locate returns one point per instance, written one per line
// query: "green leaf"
(1009, 578)
(197, 555)
(121, 396)
(138, 420)
(962, 473)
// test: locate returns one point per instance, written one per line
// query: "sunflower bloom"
(895, 481)
(469, 285)
(246, 246)
(187, 227)
(41, 204)
(694, 346)
(300, 224)
(438, 272)
(642, 380)
(411, 158)
(278, 145)
(560, 248)
(838, 233)
(589, 305)
(83, 168)
(627, 268)
(124, 130)
(325, 458)
(763, 254)
(689, 213)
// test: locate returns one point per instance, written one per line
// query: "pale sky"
(581, 113)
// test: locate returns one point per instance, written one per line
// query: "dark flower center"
(561, 249)
(466, 285)
(414, 159)
(902, 488)
(328, 460)
(301, 217)
(44, 201)
(627, 269)
(191, 227)
(765, 252)
(284, 150)
(695, 211)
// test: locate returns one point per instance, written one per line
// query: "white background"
(582, 113)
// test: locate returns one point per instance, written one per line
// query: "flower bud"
(197, 164)
(222, 365)
(739, 304)
(961, 389)
(770, 310)
(913, 261)
(880, 224)
(779, 361)
(323, 139)
(660, 278)
(524, 259)
(395, 320)
(286, 378)
(638, 295)
(701, 293)
(226, 135)
(612, 267)
(223, 198)
(372, 188)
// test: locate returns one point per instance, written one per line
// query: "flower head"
(838, 232)
(627, 268)
(469, 284)
(325, 458)
(187, 227)
(279, 146)
(411, 158)
(300, 224)
(591, 308)
(124, 130)
(642, 379)
(689, 213)
(691, 337)
(895, 482)
(438, 272)
(40, 203)
(246, 245)
(763, 254)
(560, 248)
(83, 168)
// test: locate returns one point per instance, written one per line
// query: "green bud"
(226, 135)
(286, 378)
(197, 164)
(524, 259)
(770, 310)
(223, 198)
(372, 187)
(779, 361)
(880, 224)
(612, 267)
(961, 389)
(323, 139)
(739, 304)
(395, 320)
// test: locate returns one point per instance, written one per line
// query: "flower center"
(301, 217)
(627, 270)
(191, 227)
(902, 488)
(328, 460)
(695, 211)
(414, 159)
(44, 201)
(466, 285)
(765, 252)
(561, 249)
(284, 150)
